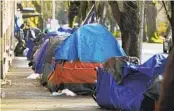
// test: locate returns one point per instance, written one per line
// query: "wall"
(7, 44)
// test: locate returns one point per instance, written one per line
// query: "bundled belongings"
(30, 44)
(30, 34)
(34, 44)
(20, 47)
(136, 84)
(78, 56)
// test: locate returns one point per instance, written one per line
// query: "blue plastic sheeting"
(90, 43)
(30, 45)
(56, 34)
(17, 27)
(129, 95)
(155, 65)
(40, 56)
(50, 34)
(65, 29)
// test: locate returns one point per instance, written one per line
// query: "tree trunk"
(100, 11)
(70, 19)
(145, 39)
(172, 19)
(83, 9)
(125, 41)
(132, 11)
(129, 24)
(151, 14)
(73, 11)
(121, 21)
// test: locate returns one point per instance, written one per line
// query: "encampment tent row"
(90, 61)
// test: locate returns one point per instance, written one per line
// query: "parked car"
(167, 43)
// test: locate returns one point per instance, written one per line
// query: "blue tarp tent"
(50, 34)
(56, 34)
(89, 43)
(65, 29)
(155, 65)
(30, 45)
(40, 56)
(129, 95)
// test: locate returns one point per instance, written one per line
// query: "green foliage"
(162, 28)
(61, 12)
(117, 34)
(156, 38)
(47, 9)
(33, 21)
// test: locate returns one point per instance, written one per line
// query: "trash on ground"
(6, 82)
(2, 94)
(34, 76)
(66, 92)
(25, 51)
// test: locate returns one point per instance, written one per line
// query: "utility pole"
(53, 10)
(141, 27)
(41, 17)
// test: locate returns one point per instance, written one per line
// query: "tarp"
(73, 74)
(50, 34)
(90, 43)
(39, 39)
(36, 30)
(30, 44)
(76, 72)
(46, 72)
(155, 65)
(40, 54)
(65, 29)
(129, 95)
(46, 52)
(56, 34)
(114, 66)
(50, 51)
(153, 91)
(53, 42)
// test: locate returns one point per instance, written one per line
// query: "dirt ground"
(21, 94)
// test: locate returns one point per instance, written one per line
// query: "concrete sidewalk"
(28, 95)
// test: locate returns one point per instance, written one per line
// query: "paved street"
(28, 95)
(149, 49)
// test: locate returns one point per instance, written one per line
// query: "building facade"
(7, 40)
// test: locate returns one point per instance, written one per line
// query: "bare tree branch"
(160, 8)
(169, 18)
